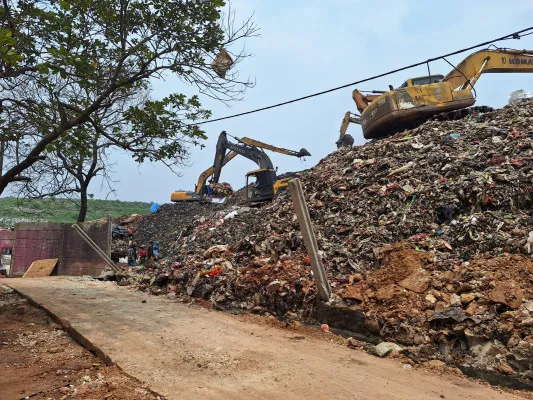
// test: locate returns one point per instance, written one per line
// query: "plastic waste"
(215, 272)
(454, 136)
(154, 207)
(231, 215)
(520, 94)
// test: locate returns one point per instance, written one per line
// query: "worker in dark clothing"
(132, 256)
(151, 251)
(150, 255)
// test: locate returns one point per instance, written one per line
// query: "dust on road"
(39, 360)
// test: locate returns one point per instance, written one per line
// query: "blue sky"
(309, 46)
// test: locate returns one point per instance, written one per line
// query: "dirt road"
(188, 352)
(39, 360)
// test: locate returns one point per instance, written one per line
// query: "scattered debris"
(385, 348)
(428, 234)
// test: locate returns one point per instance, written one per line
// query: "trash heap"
(426, 237)
(221, 190)
(170, 222)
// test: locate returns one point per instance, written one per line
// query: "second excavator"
(262, 184)
(420, 98)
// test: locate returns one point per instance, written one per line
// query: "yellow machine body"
(420, 98)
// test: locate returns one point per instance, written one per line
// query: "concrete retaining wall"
(36, 241)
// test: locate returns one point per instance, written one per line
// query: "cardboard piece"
(41, 268)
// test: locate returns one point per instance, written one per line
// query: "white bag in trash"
(519, 95)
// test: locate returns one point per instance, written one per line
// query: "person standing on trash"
(134, 249)
(151, 256)
(131, 256)
(156, 250)
(142, 254)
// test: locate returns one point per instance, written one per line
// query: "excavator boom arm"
(245, 150)
(256, 143)
(362, 101)
(468, 71)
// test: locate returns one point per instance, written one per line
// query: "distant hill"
(14, 210)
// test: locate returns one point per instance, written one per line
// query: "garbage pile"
(221, 190)
(427, 235)
(239, 196)
(169, 223)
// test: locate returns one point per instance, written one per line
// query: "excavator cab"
(260, 185)
(423, 80)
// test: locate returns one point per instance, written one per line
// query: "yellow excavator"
(200, 192)
(266, 184)
(420, 98)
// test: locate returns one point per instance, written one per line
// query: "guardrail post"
(300, 206)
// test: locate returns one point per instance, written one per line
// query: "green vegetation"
(76, 78)
(14, 210)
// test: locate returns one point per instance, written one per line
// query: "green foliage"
(162, 119)
(8, 54)
(63, 210)
(84, 68)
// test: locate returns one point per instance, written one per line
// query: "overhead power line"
(514, 35)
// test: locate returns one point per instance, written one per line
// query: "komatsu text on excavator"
(421, 98)
(266, 184)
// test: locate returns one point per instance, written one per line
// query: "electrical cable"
(464, 76)
(515, 35)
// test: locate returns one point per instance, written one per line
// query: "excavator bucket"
(303, 153)
(345, 141)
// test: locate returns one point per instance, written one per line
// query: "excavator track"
(455, 115)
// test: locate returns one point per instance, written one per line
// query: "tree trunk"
(2, 149)
(34, 155)
(83, 204)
